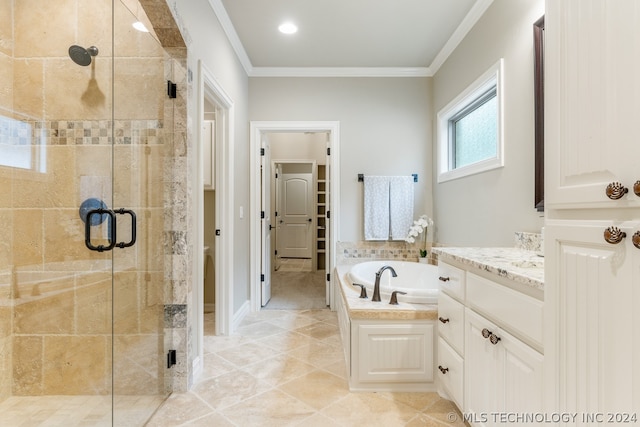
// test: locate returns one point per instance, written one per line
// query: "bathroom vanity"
(490, 323)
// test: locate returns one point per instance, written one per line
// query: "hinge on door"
(171, 358)
(328, 214)
(276, 252)
(262, 277)
(172, 89)
(262, 151)
(261, 214)
(276, 213)
(328, 277)
(328, 151)
(217, 231)
(276, 175)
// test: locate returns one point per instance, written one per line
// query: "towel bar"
(361, 177)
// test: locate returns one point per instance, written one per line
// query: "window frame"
(472, 97)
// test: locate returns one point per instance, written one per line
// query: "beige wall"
(486, 209)
(385, 129)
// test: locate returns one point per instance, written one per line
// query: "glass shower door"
(81, 282)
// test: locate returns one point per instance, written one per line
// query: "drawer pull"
(493, 338)
(613, 235)
(615, 190)
(636, 239)
(443, 370)
(636, 188)
(443, 320)
(443, 279)
(486, 333)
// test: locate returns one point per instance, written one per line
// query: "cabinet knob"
(443, 370)
(443, 320)
(486, 333)
(443, 279)
(636, 188)
(493, 339)
(636, 239)
(613, 235)
(615, 190)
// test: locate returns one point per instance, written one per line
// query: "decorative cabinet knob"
(443, 370)
(613, 235)
(636, 188)
(443, 279)
(636, 239)
(443, 320)
(493, 338)
(615, 190)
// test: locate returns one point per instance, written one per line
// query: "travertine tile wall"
(355, 252)
(55, 295)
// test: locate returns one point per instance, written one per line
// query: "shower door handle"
(111, 218)
(123, 211)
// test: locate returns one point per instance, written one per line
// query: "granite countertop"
(522, 266)
(366, 309)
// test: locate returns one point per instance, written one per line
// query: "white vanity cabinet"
(490, 345)
(592, 203)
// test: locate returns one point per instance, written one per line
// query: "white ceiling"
(346, 37)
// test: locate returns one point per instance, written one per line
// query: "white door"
(265, 223)
(295, 218)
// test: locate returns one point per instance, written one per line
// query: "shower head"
(82, 56)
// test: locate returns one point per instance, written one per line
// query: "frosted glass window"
(15, 143)
(474, 134)
(470, 129)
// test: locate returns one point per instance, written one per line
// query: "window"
(17, 149)
(470, 129)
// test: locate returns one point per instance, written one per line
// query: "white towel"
(376, 208)
(400, 205)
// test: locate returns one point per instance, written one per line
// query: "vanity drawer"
(451, 321)
(514, 311)
(450, 372)
(452, 280)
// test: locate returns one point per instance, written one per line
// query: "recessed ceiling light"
(140, 27)
(288, 28)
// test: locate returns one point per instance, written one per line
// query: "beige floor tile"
(317, 389)
(211, 420)
(319, 330)
(230, 389)
(178, 409)
(247, 354)
(319, 420)
(271, 409)
(214, 366)
(286, 341)
(318, 354)
(369, 409)
(279, 369)
(419, 401)
(445, 411)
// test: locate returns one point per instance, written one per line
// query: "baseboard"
(239, 315)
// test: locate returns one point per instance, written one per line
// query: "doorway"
(321, 227)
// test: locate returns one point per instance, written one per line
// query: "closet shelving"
(321, 212)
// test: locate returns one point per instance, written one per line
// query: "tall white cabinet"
(592, 227)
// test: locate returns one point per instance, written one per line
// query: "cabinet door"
(592, 338)
(482, 369)
(592, 100)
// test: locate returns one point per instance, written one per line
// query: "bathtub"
(419, 281)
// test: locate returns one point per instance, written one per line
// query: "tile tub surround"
(359, 308)
(354, 252)
(521, 266)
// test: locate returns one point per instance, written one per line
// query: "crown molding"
(476, 12)
(469, 21)
(230, 31)
(341, 72)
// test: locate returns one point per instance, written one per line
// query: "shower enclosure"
(86, 147)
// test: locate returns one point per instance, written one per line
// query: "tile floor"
(286, 368)
(293, 264)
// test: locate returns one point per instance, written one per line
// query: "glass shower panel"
(140, 93)
(55, 146)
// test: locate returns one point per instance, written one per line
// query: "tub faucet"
(376, 287)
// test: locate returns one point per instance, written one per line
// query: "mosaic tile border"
(355, 252)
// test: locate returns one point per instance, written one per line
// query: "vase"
(423, 260)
